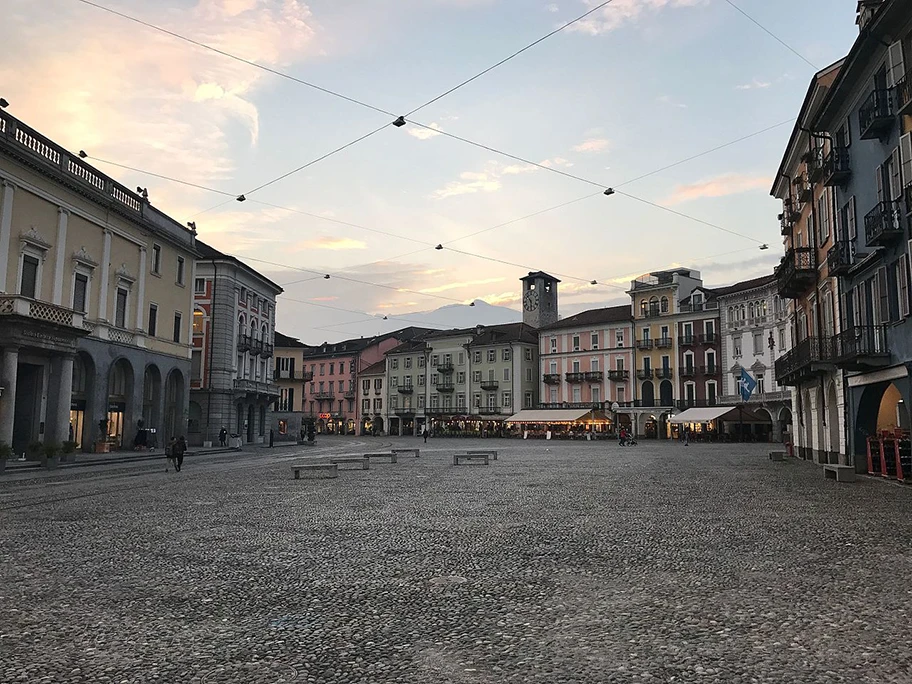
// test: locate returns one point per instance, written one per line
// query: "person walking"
(622, 437)
(223, 437)
(425, 435)
(169, 454)
(686, 435)
(179, 452)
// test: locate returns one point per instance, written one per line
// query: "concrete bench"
(391, 456)
(417, 452)
(331, 469)
(364, 462)
(475, 459)
(840, 473)
(481, 452)
(777, 455)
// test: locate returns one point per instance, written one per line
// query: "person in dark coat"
(425, 435)
(169, 454)
(179, 451)
(223, 437)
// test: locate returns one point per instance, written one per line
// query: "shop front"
(560, 424)
(720, 424)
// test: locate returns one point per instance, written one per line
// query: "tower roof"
(533, 275)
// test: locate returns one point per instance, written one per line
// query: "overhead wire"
(774, 36)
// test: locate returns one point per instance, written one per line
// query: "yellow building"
(96, 302)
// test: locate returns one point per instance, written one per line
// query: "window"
(342, 368)
(476, 356)
(553, 345)
(902, 286)
(507, 399)
(460, 401)
(492, 355)
(378, 405)
(476, 400)
(476, 376)
(823, 216)
(552, 368)
(621, 395)
(365, 405)
(434, 378)
(575, 367)
(596, 394)
(552, 395)
(758, 343)
(711, 393)
(527, 354)
(80, 292)
(177, 327)
(180, 270)
(577, 395)
(506, 374)
(435, 360)
(460, 377)
(528, 375)
(619, 338)
(781, 339)
(28, 284)
(665, 303)
(332, 369)
(421, 401)
(761, 381)
(528, 399)
(198, 317)
(394, 381)
(156, 259)
(689, 362)
(646, 334)
(394, 365)
(506, 355)
(690, 393)
(736, 346)
(619, 363)
(576, 342)
(120, 307)
(460, 359)
(594, 365)
(422, 380)
(421, 361)
(711, 362)
(199, 285)
(408, 362)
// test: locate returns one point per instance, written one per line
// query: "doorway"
(27, 416)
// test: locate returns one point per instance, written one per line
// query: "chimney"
(866, 11)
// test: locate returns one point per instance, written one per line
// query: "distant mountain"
(464, 316)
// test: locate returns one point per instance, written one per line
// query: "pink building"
(586, 359)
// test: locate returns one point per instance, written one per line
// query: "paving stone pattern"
(560, 562)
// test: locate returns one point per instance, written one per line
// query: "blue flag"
(746, 384)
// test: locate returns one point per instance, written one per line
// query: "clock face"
(530, 300)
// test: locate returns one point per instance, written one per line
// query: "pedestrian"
(223, 437)
(169, 454)
(179, 453)
(686, 435)
(425, 435)
(622, 437)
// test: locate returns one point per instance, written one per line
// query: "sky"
(636, 86)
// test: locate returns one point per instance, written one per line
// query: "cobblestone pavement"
(560, 562)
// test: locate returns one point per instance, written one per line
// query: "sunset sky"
(636, 86)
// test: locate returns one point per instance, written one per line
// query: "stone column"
(60, 255)
(9, 370)
(6, 223)
(141, 290)
(103, 294)
(60, 398)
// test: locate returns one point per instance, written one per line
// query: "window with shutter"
(895, 64)
(850, 219)
(884, 294)
(905, 158)
(895, 175)
(902, 286)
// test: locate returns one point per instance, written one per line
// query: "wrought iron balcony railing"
(883, 224)
(805, 360)
(490, 385)
(877, 115)
(619, 375)
(551, 378)
(576, 377)
(644, 373)
(839, 258)
(644, 344)
(796, 272)
(836, 169)
(861, 347)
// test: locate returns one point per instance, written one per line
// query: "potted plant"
(102, 446)
(34, 451)
(51, 455)
(68, 451)
(6, 453)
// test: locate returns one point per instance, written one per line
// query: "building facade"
(699, 369)
(292, 377)
(96, 303)
(755, 331)
(811, 169)
(371, 396)
(407, 388)
(232, 379)
(866, 124)
(503, 372)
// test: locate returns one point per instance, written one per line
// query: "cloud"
(670, 101)
(516, 169)
(457, 285)
(502, 299)
(160, 101)
(622, 11)
(552, 8)
(719, 186)
(423, 133)
(471, 182)
(322, 299)
(592, 145)
(753, 85)
(557, 161)
(331, 243)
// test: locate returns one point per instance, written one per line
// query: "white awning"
(549, 416)
(707, 415)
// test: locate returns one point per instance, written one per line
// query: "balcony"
(683, 404)
(436, 411)
(445, 367)
(490, 385)
(255, 387)
(809, 358)
(551, 378)
(883, 224)
(664, 373)
(488, 410)
(861, 348)
(709, 338)
(594, 376)
(691, 340)
(839, 259)
(836, 170)
(904, 94)
(688, 371)
(663, 343)
(644, 345)
(307, 376)
(619, 375)
(803, 189)
(405, 389)
(644, 373)
(404, 411)
(446, 387)
(815, 163)
(788, 217)
(652, 312)
(796, 272)
(877, 115)
(324, 396)
(304, 376)
(710, 370)
(576, 377)
(244, 342)
(757, 397)
(42, 312)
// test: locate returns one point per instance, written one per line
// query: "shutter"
(878, 176)
(895, 175)
(895, 66)
(853, 232)
(905, 156)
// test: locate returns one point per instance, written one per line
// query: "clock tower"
(539, 299)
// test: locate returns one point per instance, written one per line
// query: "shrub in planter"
(34, 451)
(68, 451)
(51, 455)
(6, 453)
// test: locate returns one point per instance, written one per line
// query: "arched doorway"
(666, 393)
(762, 430)
(120, 404)
(174, 404)
(151, 413)
(80, 401)
(647, 394)
(833, 426)
(785, 424)
(819, 416)
(880, 408)
(807, 444)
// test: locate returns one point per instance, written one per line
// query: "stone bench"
(363, 461)
(777, 455)
(840, 473)
(475, 459)
(391, 456)
(417, 452)
(331, 469)
(481, 452)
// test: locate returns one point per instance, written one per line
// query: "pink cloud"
(719, 186)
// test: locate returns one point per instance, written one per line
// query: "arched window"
(198, 317)
(743, 316)
(254, 328)
(264, 333)
(664, 304)
(643, 307)
(763, 307)
(750, 310)
(731, 313)
(242, 325)
(653, 305)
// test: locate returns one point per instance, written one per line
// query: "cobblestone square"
(560, 562)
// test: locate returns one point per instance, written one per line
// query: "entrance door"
(250, 423)
(29, 380)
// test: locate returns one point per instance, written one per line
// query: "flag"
(746, 385)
